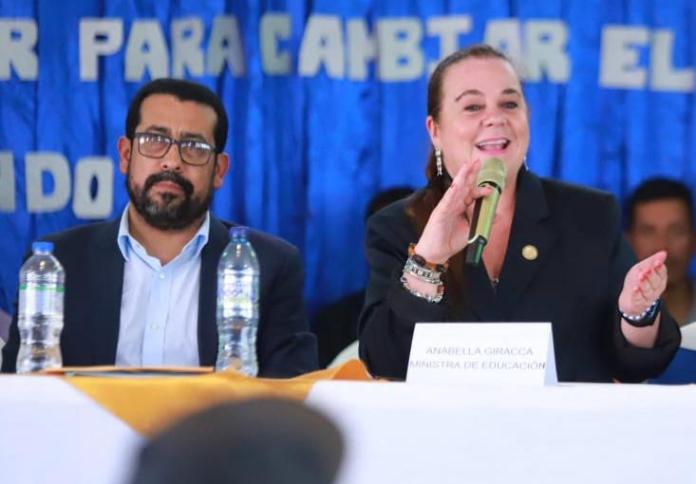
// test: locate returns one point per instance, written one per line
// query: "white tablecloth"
(52, 433)
(399, 433)
(396, 433)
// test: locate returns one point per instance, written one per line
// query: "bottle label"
(42, 287)
(40, 298)
(239, 296)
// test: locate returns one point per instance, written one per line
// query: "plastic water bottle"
(40, 313)
(238, 305)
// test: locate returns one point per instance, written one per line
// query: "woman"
(555, 253)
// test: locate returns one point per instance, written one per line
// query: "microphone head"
(492, 172)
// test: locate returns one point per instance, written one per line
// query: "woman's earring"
(438, 161)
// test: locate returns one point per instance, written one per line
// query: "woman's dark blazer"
(574, 283)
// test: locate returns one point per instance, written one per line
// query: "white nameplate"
(482, 353)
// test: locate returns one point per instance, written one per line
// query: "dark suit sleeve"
(11, 348)
(286, 346)
(390, 312)
(631, 363)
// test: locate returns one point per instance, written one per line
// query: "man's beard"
(173, 212)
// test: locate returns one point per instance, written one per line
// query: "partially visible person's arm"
(11, 348)
(390, 312)
(5, 321)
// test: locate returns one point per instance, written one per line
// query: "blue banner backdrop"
(327, 104)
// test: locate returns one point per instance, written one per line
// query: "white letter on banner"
(400, 54)
(273, 27)
(322, 44)
(17, 42)
(100, 169)
(663, 77)
(225, 45)
(361, 49)
(7, 182)
(505, 35)
(98, 37)
(546, 41)
(54, 163)
(619, 58)
(448, 29)
(187, 54)
(146, 49)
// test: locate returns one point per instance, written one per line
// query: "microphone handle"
(480, 229)
(476, 243)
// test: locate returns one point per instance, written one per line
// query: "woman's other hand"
(644, 283)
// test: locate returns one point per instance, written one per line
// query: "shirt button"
(161, 276)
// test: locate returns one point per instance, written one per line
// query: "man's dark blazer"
(574, 283)
(94, 265)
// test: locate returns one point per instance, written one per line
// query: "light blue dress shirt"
(159, 304)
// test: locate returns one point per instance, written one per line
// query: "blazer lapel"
(207, 297)
(104, 294)
(531, 240)
(479, 291)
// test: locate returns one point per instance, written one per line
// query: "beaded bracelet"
(420, 260)
(646, 318)
(431, 299)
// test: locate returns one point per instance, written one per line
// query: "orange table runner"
(149, 403)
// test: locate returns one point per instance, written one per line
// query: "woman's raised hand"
(644, 283)
(447, 230)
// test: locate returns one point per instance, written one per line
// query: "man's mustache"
(169, 176)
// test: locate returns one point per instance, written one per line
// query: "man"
(659, 215)
(141, 290)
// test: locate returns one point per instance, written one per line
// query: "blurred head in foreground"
(261, 440)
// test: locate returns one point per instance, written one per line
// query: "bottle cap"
(42, 247)
(239, 232)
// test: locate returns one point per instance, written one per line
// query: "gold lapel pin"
(530, 252)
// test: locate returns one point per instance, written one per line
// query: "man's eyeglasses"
(191, 151)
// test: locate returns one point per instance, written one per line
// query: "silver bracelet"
(422, 273)
(431, 299)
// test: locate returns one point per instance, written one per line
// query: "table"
(569, 434)
(396, 433)
(52, 433)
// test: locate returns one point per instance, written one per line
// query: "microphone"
(492, 174)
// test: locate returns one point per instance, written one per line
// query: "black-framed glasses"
(191, 151)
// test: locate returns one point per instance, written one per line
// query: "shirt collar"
(193, 248)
